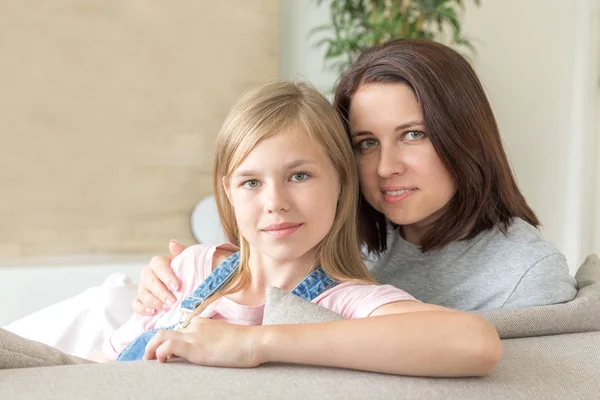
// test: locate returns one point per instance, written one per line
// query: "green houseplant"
(359, 24)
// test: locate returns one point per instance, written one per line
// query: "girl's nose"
(276, 199)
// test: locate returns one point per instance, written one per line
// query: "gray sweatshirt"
(492, 270)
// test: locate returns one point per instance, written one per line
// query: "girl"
(286, 189)
(440, 214)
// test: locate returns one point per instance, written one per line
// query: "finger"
(175, 247)
(161, 266)
(158, 339)
(152, 282)
(174, 348)
(140, 309)
(147, 301)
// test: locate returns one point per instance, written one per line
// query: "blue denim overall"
(310, 288)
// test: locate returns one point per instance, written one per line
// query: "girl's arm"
(404, 338)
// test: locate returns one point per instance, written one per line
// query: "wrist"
(260, 344)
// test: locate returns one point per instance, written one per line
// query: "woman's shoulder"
(529, 269)
(521, 239)
(516, 268)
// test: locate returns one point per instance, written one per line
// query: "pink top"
(353, 299)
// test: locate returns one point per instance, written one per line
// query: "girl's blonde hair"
(266, 111)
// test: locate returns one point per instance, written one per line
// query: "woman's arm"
(404, 338)
(157, 284)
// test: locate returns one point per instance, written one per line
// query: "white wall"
(299, 59)
(595, 122)
(25, 289)
(538, 70)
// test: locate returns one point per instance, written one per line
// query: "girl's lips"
(279, 231)
(395, 196)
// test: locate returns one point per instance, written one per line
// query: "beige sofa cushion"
(551, 367)
(17, 352)
(285, 308)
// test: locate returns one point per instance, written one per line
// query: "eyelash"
(358, 146)
(306, 174)
(407, 132)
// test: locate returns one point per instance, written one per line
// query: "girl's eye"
(251, 184)
(367, 144)
(299, 176)
(414, 135)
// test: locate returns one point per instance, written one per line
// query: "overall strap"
(316, 283)
(312, 286)
(215, 281)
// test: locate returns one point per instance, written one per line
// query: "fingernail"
(173, 241)
(173, 286)
(150, 311)
(168, 304)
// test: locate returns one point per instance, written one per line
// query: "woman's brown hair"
(461, 126)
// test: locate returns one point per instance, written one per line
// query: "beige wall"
(108, 114)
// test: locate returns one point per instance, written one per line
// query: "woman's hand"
(208, 342)
(157, 283)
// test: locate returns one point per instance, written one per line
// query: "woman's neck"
(411, 235)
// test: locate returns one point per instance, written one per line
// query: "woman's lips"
(397, 195)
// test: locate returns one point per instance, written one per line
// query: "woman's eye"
(367, 144)
(251, 184)
(299, 176)
(414, 135)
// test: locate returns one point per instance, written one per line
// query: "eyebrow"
(288, 166)
(402, 127)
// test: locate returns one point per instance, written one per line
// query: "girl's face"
(401, 174)
(285, 195)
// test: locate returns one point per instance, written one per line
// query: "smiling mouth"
(394, 196)
(397, 192)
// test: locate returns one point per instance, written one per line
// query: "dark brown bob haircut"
(461, 126)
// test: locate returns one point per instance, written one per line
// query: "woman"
(440, 214)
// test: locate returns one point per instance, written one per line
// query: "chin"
(400, 218)
(284, 253)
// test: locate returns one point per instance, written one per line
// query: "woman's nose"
(390, 162)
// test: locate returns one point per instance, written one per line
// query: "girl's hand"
(208, 342)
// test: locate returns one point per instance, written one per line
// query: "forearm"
(435, 343)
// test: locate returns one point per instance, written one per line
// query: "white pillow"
(80, 325)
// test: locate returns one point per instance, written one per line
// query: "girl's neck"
(284, 274)
(265, 271)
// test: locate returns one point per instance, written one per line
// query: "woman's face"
(401, 174)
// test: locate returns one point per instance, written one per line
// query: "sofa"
(549, 352)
